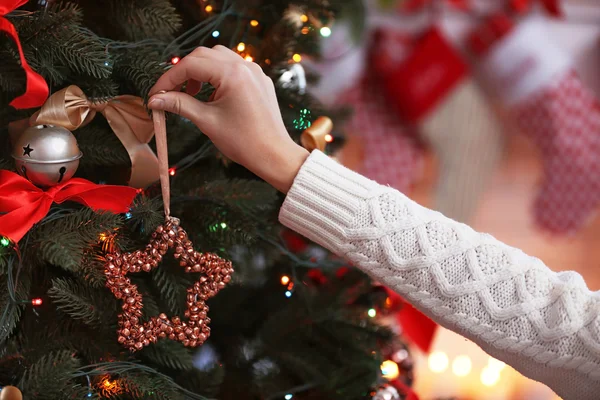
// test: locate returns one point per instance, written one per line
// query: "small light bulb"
(102, 237)
(5, 241)
(216, 34)
(304, 18)
(288, 294)
(288, 396)
(325, 31)
(438, 361)
(175, 60)
(90, 394)
(496, 365)
(489, 376)
(267, 61)
(36, 302)
(390, 370)
(285, 280)
(128, 215)
(223, 225)
(328, 138)
(249, 58)
(241, 46)
(297, 57)
(305, 30)
(372, 313)
(254, 22)
(461, 366)
(172, 171)
(208, 8)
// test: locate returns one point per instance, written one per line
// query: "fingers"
(202, 69)
(184, 105)
(227, 52)
(193, 87)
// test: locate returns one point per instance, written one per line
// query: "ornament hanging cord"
(160, 134)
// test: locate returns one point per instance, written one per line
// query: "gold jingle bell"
(46, 155)
(315, 137)
(10, 393)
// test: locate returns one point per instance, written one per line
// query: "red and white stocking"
(392, 155)
(432, 88)
(548, 102)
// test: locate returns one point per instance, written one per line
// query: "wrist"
(286, 166)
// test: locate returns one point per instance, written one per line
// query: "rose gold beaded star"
(216, 272)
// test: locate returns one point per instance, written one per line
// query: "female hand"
(242, 119)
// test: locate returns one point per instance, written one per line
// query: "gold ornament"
(315, 137)
(11, 393)
(46, 155)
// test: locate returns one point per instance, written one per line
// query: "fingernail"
(156, 102)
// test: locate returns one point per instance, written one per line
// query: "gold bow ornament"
(315, 137)
(126, 115)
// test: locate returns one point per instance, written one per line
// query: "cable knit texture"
(544, 324)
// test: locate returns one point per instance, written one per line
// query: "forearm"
(511, 304)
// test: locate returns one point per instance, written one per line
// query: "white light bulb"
(461, 366)
(438, 361)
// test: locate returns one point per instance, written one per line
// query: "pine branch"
(100, 146)
(246, 195)
(146, 214)
(56, 45)
(48, 378)
(171, 288)
(137, 71)
(169, 354)
(206, 383)
(142, 385)
(92, 306)
(153, 18)
(63, 242)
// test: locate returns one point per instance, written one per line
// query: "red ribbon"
(26, 204)
(36, 90)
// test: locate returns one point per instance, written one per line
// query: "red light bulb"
(36, 302)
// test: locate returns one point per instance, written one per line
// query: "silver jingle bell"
(46, 155)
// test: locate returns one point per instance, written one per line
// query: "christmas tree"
(292, 324)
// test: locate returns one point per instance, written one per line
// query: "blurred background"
(506, 141)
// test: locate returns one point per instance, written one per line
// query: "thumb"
(182, 104)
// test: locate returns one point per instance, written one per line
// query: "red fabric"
(36, 90)
(392, 154)
(26, 204)
(489, 33)
(416, 5)
(423, 80)
(564, 121)
(416, 326)
(406, 390)
(551, 6)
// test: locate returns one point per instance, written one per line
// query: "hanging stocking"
(392, 156)
(550, 104)
(432, 88)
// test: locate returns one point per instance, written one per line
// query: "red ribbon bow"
(36, 90)
(26, 204)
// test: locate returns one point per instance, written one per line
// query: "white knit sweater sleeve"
(544, 324)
